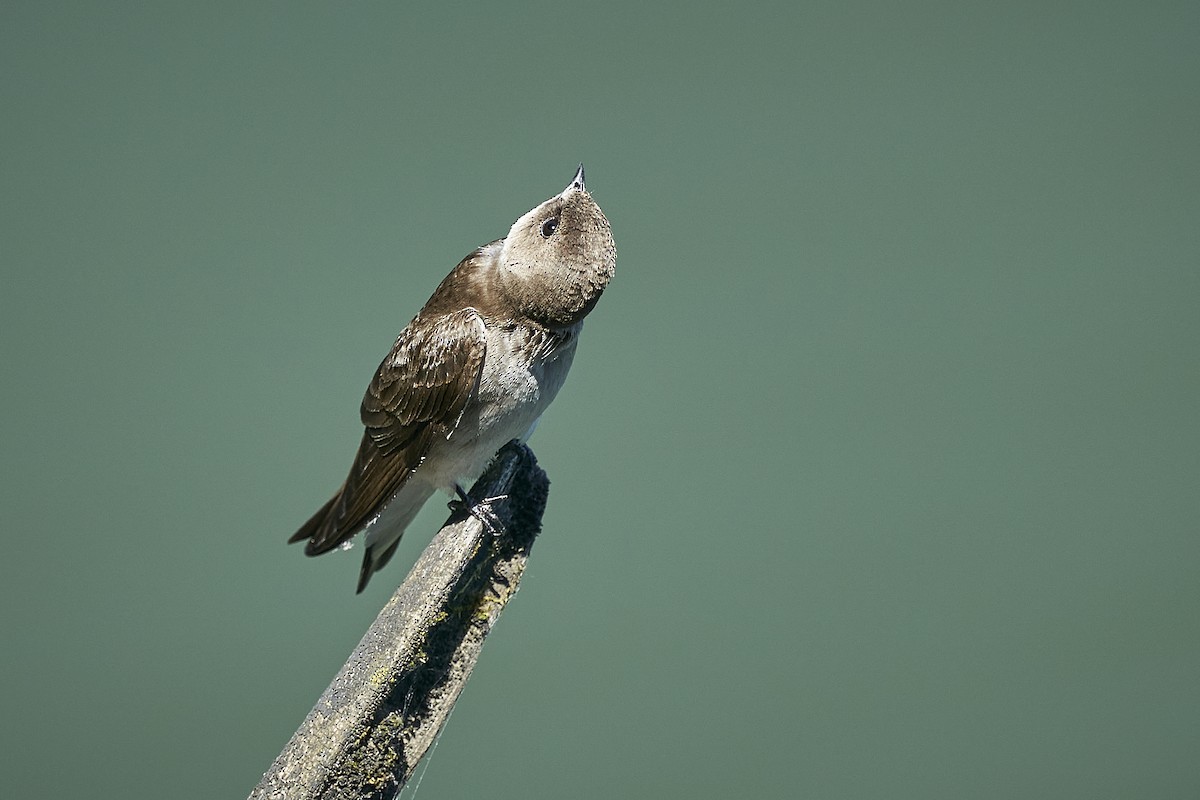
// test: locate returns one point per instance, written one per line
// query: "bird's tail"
(384, 532)
(355, 507)
(373, 561)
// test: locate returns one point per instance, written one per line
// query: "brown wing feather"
(426, 380)
(418, 393)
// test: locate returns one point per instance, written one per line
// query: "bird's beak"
(576, 183)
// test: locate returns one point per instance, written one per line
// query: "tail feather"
(372, 563)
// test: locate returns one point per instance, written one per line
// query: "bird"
(473, 370)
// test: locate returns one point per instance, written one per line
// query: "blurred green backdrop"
(877, 475)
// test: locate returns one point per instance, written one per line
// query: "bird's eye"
(549, 227)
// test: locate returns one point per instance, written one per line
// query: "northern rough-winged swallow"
(475, 368)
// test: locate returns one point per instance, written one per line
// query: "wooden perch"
(384, 709)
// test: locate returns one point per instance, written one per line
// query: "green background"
(877, 474)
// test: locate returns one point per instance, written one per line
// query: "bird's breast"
(523, 369)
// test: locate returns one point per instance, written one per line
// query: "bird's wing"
(426, 381)
(418, 394)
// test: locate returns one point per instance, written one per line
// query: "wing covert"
(426, 380)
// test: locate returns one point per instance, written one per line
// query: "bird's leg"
(481, 511)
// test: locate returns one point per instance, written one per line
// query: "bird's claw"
(481, 510)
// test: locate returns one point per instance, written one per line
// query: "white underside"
(513, 392)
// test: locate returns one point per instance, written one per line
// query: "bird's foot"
(481, 510)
